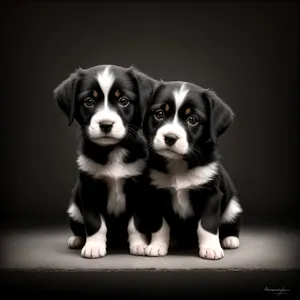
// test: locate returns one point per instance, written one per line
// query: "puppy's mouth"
(169, 153)
(106, 140)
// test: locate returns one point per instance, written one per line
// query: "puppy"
(192, 194)
(108, 102)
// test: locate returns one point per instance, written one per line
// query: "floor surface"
(38, 263)
(47, 250)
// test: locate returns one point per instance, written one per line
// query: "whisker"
(191, 157)
(83, 132)
(150, 145)
(197, 154)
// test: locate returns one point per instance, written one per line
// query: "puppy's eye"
(89, 102)
(159, 114)
(193, 120)
(123, 102)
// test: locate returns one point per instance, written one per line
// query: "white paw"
(157, 250)
(211, 252)
(230, 242)
(138, 249)
(93, 250)
(76, 242)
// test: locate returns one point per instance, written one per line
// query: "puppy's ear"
(220, 115)
(145, 87)
(65, 94)
(156, 90)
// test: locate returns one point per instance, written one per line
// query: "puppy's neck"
(198, 158)
(94, 151)
(177, 165)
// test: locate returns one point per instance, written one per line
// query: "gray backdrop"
(247, 52)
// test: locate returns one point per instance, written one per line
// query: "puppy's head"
(182, 117)
(107, 101)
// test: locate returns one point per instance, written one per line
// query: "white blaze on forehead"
(179, 95)
(106, 80)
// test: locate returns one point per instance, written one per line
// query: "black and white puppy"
(108, 102)
(192, 193)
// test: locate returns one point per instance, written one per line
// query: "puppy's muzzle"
(106, 126)
(170, 139)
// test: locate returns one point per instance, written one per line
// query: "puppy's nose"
(170, 139)
(106, 126)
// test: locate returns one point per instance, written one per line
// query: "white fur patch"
(160, 180)
(117, 199)
(114, 173)
(181, 203)
(117, 132)
(191, 179)
(106, 80)
(137, 241)
(115, 168)
(95, 245)
(209, 244)
(179, 96)
(181, 145)
(180, 180)
(160, 241)
(179, 177)
(232, 211)
(74, 213)
(230, 242)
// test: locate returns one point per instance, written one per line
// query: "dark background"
(248, 52)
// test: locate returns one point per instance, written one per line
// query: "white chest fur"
(114, 173)
(180, 180)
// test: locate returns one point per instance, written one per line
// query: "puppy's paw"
(93, 250)
(76, 242)
(138, 249)
(230, 242)
(156, 249)
(211, 252)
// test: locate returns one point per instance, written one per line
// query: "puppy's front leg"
(208, 229)
(95, 245)
(94, 223)
(159, 228)
(137, 240)
(160, 240)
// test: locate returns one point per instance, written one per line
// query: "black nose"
(170, 139)
(106, 126)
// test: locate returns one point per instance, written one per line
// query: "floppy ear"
(220, 115)
(66, 92)
(145, 87)
(157, 88)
